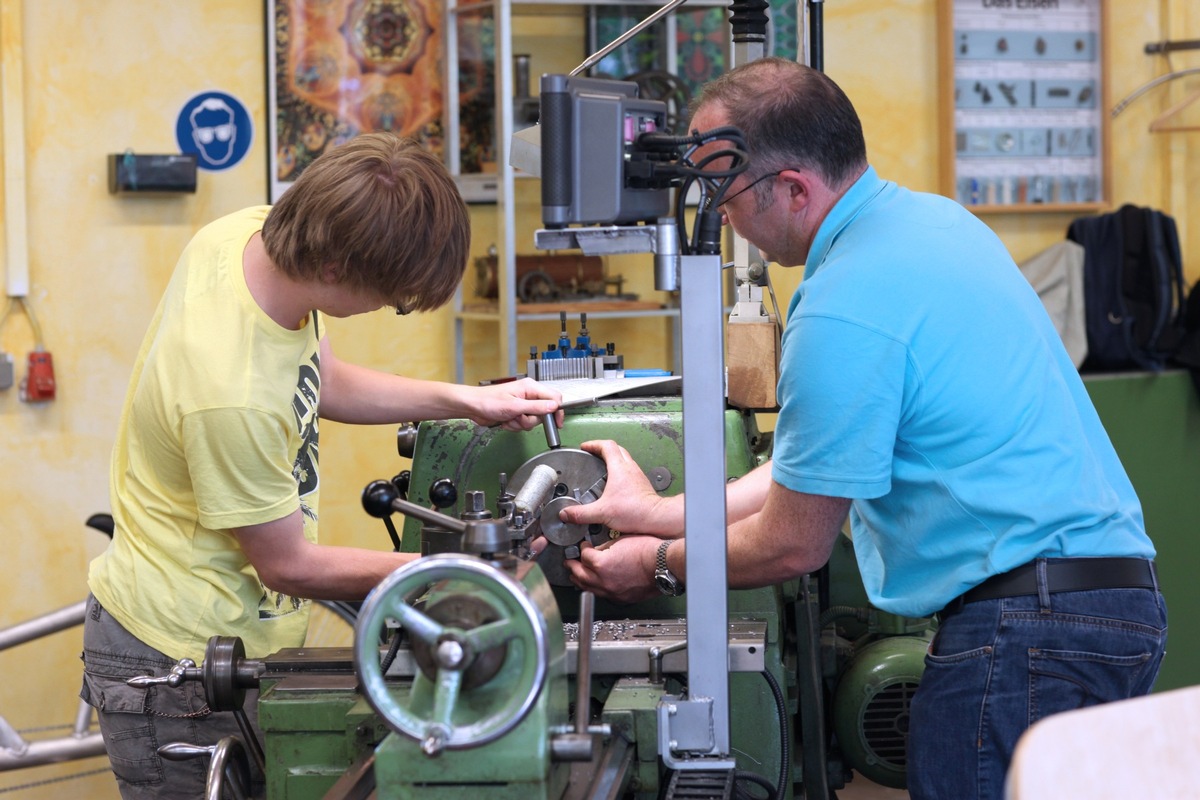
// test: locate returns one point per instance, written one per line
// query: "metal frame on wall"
(1024, 100)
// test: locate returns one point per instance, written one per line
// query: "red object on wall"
(38, 385)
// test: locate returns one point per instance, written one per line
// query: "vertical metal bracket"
(685, 729)
(707, 712)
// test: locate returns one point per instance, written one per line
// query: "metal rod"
(251, 739)
(537, 490)
(594, 59)
(52, 751)
(1141, 90)
(655, 668)
(357, 782)
(83, 720)
(44, 625)
(10, 740)
(444, 521)
(552, 439)
(583, 663)
(816, 25)
(1170, 47)
(609, 777)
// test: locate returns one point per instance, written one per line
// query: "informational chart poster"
(1025, 103)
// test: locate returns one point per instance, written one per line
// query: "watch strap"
(660, 561)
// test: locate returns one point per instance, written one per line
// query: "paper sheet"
(582, 391)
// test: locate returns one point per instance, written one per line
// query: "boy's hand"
(515, 405)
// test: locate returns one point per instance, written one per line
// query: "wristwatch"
(666, 581)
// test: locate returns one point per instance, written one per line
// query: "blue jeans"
(136, 722)
(996, 667)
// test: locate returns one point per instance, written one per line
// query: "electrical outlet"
(6, 370)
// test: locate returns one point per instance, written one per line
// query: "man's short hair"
(792, 116)
(384, 212)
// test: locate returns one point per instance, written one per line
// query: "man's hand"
(515, 405)
(629, 503)
(621, 570)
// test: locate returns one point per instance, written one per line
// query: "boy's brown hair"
(385, 213)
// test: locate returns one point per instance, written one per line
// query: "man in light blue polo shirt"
(925, 392)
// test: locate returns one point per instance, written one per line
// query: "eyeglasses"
(748, 187)
(402, 309)
(222, 133)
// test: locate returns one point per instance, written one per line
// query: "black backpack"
(1133, 289)
(1188, 354)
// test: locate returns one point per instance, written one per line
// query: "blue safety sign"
(216, 127)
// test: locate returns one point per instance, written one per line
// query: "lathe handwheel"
(431, 712)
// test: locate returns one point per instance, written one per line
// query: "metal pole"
(704, 489)
(44, 625)
(52, 751)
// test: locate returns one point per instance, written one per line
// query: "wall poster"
(337, 68)
(1024, 104)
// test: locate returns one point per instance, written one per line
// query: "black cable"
(714, 182)
(737, 152)
(706, 234)
(393, 650)
(758, 780)
(660, 164)
(685, 247)
(395, 537)
(776, 791)
(785, 739)
(346, 610)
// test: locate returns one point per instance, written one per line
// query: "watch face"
(667, 584)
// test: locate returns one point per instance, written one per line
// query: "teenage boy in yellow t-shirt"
(215, 469)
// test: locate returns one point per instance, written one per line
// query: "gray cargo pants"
(136, 722)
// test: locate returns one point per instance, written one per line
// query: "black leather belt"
(1062, 575)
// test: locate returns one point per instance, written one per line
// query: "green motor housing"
(872, 704)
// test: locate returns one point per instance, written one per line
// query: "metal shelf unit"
(504, 180)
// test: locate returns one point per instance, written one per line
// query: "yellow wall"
(104, 76)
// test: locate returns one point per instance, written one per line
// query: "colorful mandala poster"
(337, 68)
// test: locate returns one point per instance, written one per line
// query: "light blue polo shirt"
(922, 377)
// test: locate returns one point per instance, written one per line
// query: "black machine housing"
(594, 171)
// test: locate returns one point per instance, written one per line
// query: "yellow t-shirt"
(219, 431)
